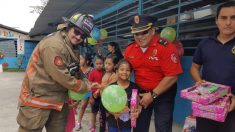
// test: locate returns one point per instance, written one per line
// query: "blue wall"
(13, 61)
(183, 106)
(29, 46)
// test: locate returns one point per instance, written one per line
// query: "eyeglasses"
(77, 32)
(142, 33)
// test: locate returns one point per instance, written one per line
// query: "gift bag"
(70, 120)
(189, 124)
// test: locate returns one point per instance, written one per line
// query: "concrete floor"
(10, 84)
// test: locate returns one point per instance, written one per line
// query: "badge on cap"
(58, 61)
(174, 58)
(136, 19)
(233, 50)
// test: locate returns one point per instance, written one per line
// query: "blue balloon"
(88, 94)
(95, 33)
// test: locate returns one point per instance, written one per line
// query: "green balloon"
(91, 41)
(76, 96)
(168, 33)
(114, 98)
(104, 33)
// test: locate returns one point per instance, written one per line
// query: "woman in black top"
(113, 48)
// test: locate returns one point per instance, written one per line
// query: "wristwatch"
(154, 95)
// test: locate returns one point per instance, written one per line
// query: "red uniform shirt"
(150, 67)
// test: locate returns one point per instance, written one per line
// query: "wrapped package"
(205, 93)
(219, 106)
(220, 117)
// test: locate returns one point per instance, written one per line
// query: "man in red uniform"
(156, 66)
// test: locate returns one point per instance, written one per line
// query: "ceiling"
(56, 9)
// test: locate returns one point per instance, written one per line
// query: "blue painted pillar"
(140, 7)
(178, 19)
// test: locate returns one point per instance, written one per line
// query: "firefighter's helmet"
(82, 21)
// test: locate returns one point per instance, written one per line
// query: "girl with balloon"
(108, 78)
(121, 121)
(85, 66)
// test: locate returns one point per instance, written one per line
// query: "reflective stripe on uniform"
(35, 102)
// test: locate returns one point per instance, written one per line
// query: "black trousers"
(206, 125)
(163, 107)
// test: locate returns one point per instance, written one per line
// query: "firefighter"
(50, 73)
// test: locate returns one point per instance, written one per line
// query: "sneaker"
(78, 127)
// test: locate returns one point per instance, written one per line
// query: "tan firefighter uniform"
(45, 86)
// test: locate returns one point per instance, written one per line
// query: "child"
(85, 67)
(108, 78)
(121, 122)
(85, 63)
(95, 77)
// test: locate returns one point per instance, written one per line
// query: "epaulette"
(130, 44)
(49, 35)
(163, 41)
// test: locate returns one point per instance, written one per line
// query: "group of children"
(109, 71)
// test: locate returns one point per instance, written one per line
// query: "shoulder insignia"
(58, 61)
(162, 41)
(130, 44)
(174, 58)
(49, 35)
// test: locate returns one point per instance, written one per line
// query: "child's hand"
(116, 115)
(125, 110)
(91, 101)
(96, 85)
(73, 104)
(88, 88)
(135, 113)
(96, 93)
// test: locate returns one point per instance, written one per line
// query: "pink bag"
(189, 124)
(134, 105)
(70, 120)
